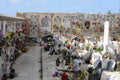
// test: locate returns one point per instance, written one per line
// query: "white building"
(10, 24)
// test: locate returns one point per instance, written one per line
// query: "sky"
(10, 7)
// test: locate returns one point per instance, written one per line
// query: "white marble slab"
(107, 75)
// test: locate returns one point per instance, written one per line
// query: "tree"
(109, 15)
(109, 12)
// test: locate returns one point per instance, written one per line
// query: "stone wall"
(78, 21)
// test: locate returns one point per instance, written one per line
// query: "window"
(35, 17)
(31, 16)
(63, 20)
(6, 28)
(87, 24)
(33, 27)
(59, 19)
(33, 32)
(2, 26)
(55, 19)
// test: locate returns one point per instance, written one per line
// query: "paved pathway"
(27, 65)
(48, 65)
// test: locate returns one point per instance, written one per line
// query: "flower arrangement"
(71, 64)
(64, 52)
(78, 24)
(99, 49)
(88, 45)
(82, 75)
(24, 49)
(50, 43)
(9, 35)
(54, 26)
(118, 65)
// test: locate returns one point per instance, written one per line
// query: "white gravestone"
(106, 35)
(96, 58)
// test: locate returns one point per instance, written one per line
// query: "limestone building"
(76, 23)
(10, 23)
